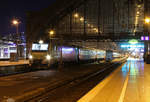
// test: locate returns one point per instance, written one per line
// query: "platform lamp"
(147, 21)
(16, 23)
(51, 34)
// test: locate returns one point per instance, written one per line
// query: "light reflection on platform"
(134, 59)
(129, 84)
(125, 69)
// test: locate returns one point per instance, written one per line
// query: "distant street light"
(41, 42)
(81, 19)
(147, 20)
(16, 22)
(51, 32)
(139, 6)
(76, 15)
(51, 35)
(138, 12)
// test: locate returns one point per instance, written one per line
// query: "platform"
(129, 83)
(9, 63)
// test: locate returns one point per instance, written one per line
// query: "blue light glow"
(132, 46)
(67, 49)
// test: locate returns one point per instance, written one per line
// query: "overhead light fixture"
(81, 19)
(76, 15)
(147, 20)
(41, 42)
(139, 6)
(51, 32)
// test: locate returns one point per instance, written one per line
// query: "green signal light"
(133, 41)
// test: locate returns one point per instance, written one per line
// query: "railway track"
(103, 73)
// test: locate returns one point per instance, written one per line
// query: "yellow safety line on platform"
(91, 94)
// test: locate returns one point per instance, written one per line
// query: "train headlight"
(48, 57)
(30, 57)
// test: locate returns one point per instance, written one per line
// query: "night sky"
(10, 9)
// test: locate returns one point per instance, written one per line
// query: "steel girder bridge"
(87, 20)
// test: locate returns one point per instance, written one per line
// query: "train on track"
(42, 55)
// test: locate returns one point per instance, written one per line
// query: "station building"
(8, 46)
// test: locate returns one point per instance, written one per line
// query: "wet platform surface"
(129, 83)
